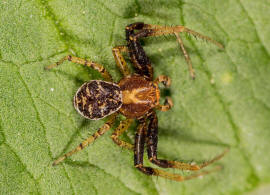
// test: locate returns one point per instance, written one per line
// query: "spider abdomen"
(97, 99)
(139, 96)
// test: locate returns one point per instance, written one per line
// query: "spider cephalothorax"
(136, 96)
(139, 96)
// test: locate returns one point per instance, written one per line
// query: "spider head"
(139, 96)
(97, 99)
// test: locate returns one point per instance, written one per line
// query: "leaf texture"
(226, 106)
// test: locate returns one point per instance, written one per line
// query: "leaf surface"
(226, 106)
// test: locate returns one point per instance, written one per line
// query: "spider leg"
(138, 158)
(147, 30)
(152, 135)
(138, 57)
(156, 30)
(89, 140)
(105, 74)
(139, 148)
(187, 58)
(135, 26)
(166, 81)
(120, 61)
(119, 130)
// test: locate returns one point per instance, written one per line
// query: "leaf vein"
(253, 24)
(24, 168)
(225, 108)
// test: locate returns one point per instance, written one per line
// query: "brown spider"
(136, 96)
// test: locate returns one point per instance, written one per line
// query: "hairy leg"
(156, 30)
(146, 30)
(121, 129)
(89, 140)
(187, 58)
(105, 74)
(138, 158)
(119, 59)
(138, 57)
(152, 141)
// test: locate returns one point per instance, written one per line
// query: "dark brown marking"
(139, 142)
(81, 145)
(139, 148)
(97, 99)
(137, 54)
(145, 170)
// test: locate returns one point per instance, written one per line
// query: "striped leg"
(147, 30)
(138, 57)
(119, 130)
(156, 30)
(152, 141)
(105, 74)
(120, 61)
(138, 159)
(89, 140)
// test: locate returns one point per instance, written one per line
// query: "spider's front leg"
(156, 30)
(138, 57)
(152, 141)
(119, 59)
(104, 73)
(146, 30)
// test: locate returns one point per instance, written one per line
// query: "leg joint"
(113, 136)
(145, 170)
(160, 163)
(135, 26)
(115, 49)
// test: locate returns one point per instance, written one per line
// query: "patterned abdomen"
(97, 99)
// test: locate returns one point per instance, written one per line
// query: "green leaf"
(226, 106)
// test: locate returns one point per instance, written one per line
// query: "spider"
(136, 96)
